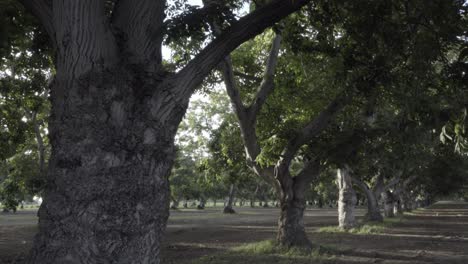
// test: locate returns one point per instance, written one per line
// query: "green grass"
(368, 228)
(266, 252)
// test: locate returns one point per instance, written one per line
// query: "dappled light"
(234, 131)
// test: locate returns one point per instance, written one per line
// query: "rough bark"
(389, 204)
(291, 229)
(372, 196)
(346, 199)
(107, 195)
(228, 208)
(115, 113)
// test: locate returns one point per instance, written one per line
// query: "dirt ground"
(438, 234)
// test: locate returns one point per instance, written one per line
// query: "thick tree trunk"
(373, 209)
(346, 199)
(389, 204)
(291, 231)
(107, 193)
(228, 208)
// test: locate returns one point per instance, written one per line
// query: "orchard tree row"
(326, 102)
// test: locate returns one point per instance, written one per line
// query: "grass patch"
(267, 252)
(368, 228)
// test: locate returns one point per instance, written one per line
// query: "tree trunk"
(373, 209)
(107, 193)
(228, 208)
(405, 201)
(175, 204)
(397, 208)
(389, 204)
(291, 231)
(201, 204)
(346, 199)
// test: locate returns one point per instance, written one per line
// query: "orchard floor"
(438, 234)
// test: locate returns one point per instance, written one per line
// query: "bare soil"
(438, 234)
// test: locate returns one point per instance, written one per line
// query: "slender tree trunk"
(228, 208)
(201, 204)
(389, 204)
(214, 202)
(175, 203)
(346, 199)
(397, 209)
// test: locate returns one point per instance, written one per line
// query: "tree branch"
(192, 75)
(40, 143)
(268, 82)
(302, 180)
(140, 24)
(362, 185)
(391, 183)
(42, 9)
(379, 185)
(409, 180)
(309, 172)
(313, 128)
(195, 17)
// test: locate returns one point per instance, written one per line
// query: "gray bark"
(175, 204)
(372, 196)
(114, 116)
(40, 143)
(389, 204)
(346, 199)
(201, 204)
(228, 208)
(291, 229)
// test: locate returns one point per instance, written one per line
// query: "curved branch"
(313, 128)
(268, 84)
(192, 75)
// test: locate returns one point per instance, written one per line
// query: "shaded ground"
(435, 235)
